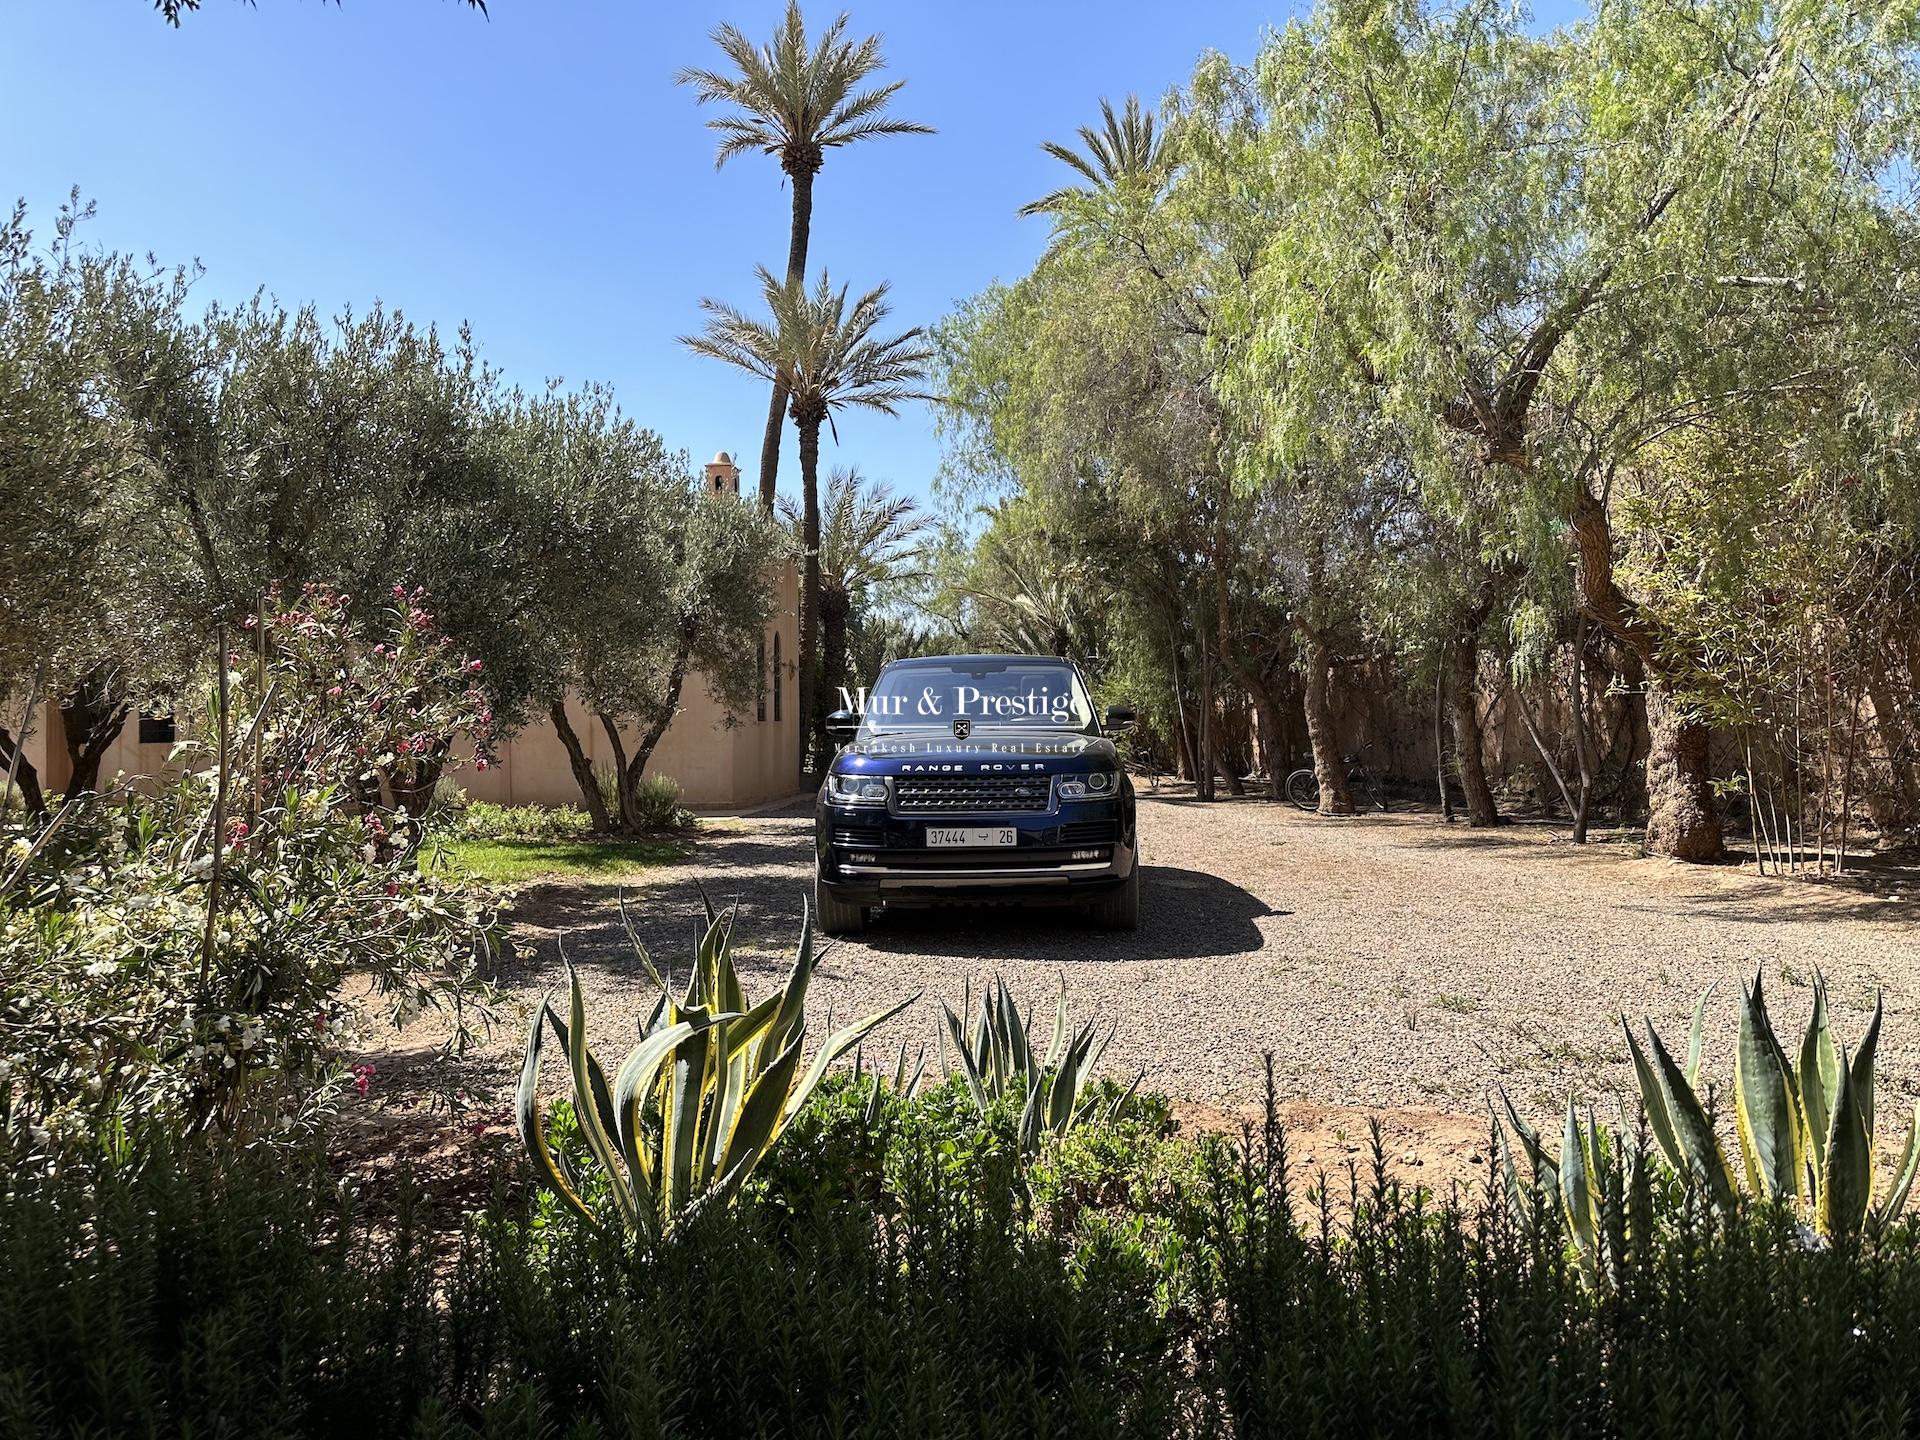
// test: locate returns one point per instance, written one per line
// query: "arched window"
(776, 676)
(760, 679)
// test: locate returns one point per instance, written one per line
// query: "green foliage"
(656, 801)
(696, 1105)
(1805, 1126)
(793, 99)
(483, 820)
(589, 860)
(143, 1003)
(881, 1278)
(373, 712)
(998, 1063)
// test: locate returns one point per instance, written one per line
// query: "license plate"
(976, 836)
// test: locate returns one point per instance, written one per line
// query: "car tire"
(1119, 908)
(836, 917)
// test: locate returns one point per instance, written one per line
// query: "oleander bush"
(172, 967)
(138, 999)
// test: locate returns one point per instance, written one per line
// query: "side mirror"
(842, 726)
(1118, 717)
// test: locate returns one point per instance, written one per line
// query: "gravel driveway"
(1387, 961)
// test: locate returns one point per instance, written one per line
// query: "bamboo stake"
(1846, 787)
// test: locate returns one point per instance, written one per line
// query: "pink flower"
(363, 1078)
(479, 764)
(392, 888)
(474, 666)
(334, 693)
(379, 649)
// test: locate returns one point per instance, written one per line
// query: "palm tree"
(867, 536)
(1025, 599)
(796, 103)
(1125, 157)
(824, 355)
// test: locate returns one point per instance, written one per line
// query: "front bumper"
(868, 856)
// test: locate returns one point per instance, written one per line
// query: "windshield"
(1015, 694)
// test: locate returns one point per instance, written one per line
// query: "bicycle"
(1303, 786)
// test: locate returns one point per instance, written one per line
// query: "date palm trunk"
(798, 238)
(835, 607)
(808, 423)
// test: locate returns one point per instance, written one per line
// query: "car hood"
(985, 752)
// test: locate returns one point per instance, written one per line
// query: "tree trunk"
(1439, 734)
(1463, 712)
(835, 606)
(581, 766)
(629, 813)
(1329, 767)
(1582, 745)
(1203, 777)
(92, 717)
(1188, 767)
(1890, 724)
(631, 770)
(1681, 821)
(13, 759)
(797, 238)
(1271, 755)
(809, 584)
(414, 794)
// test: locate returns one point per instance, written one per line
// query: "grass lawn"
(516, 862)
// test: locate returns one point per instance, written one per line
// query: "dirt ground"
(1393, 966)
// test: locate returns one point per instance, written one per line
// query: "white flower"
(100, 969)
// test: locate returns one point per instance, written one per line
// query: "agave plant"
(1584, 1180)
(997, 1059)
(1806, 1130)
(708, 1091)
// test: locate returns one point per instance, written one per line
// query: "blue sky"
(538, 174)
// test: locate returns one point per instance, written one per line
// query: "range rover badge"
(962, 728)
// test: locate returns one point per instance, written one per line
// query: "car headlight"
(1094, 785)
(857, 789)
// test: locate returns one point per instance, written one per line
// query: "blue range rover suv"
(971, 779)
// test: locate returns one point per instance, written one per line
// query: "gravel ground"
(1394, 967)
(1386, 961)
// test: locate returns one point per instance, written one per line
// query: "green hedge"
(906, 1277)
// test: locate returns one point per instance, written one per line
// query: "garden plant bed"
(1390, 964)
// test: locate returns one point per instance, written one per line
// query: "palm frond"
(790, 96)
(1125, 157)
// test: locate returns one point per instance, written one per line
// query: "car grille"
(946, 861)
(1090, 832)
(972, 794)
(860, 837)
